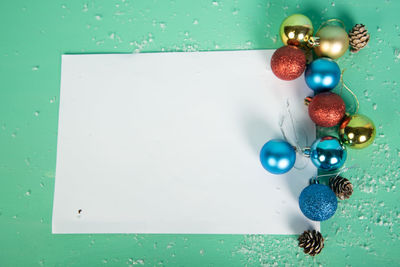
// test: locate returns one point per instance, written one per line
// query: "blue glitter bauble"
(328, 153)
(322, 75)
(318, 202)
(277, 156)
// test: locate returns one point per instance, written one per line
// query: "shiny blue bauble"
(277, 156)
(322, 75)
(318, 202)
(328, 153)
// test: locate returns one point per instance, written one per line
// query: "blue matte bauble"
(322, 75)
(318, 202)
(277, 156)
(328, 153)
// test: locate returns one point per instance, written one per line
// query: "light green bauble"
(357, 131)
(296, 30)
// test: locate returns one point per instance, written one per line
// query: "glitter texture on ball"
(288, 63)
(327, 109)
(318, 202)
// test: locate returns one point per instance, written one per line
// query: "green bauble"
(357, 131)
(296, 30)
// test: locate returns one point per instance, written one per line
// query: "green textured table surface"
(33, 34)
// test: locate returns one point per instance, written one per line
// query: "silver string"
(341, 170)
(292, 122)
(297, 146)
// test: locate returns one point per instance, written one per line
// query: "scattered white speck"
(397, 53)
(85, 8)
(170, 245)
(135, 262)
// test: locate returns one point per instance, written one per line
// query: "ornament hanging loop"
(314, 41)
(349, 90)
(338, 21)
(296, 144)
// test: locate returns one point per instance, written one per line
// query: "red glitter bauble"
(326, 109)
(288, 62)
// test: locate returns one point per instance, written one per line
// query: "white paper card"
(169, 143)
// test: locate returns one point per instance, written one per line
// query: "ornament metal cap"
(306, 152)
(307, 100)
(314, 180)
(313, 41)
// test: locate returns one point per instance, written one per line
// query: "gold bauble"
(296, 30)
(357, 131)
(333, 41)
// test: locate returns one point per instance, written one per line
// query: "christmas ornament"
(333, 41)
(357, 131)
(318, 202)
(312, 242)
(326, 109)
(288, 62)
(341, 187)
(328, 153)
(277, 156)
(359, 38)
(296, 30)
(322, 75)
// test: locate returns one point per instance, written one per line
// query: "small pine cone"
(359, 37)
(341, 187)
(312, 242)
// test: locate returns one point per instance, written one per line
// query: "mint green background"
(34, 34)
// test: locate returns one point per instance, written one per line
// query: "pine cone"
(341, 187)
(312, 242)
(359, 37)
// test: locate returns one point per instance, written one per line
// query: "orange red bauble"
(326, 109)
(288, 62)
